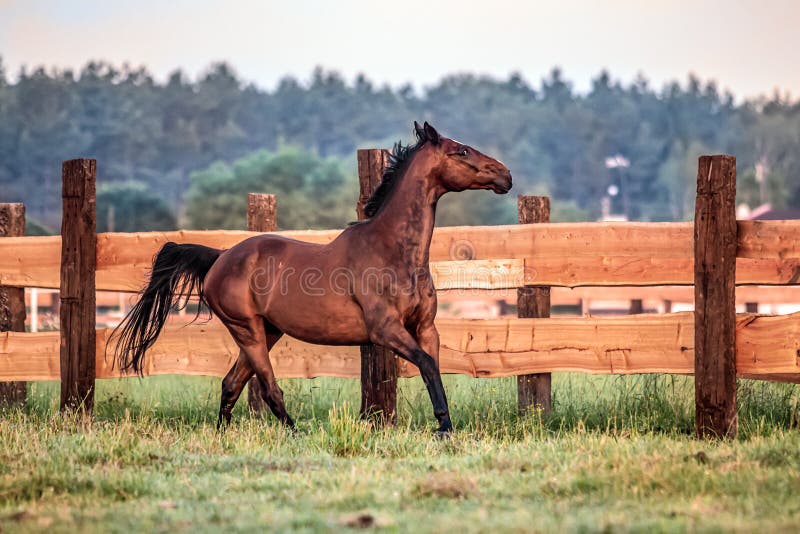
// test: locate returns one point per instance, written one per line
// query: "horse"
(371, 284)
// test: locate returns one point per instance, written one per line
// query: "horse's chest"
(419, 291)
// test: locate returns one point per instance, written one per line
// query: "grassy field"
(617, 454)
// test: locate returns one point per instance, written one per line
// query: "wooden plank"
(786, 378)
(769, 295)
(123, 259)
(556, 254)
(649, 271)
(77, 309)
(12, 302)
(765, 345)
(22, 269)
(767, 342)
(262, 216)
(378, 364)
(587, 240)
(29, 356)
(715, 245)
(768, 239)
(533, 390)
(615, 345)
(478, 274)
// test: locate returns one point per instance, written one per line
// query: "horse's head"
(457, 166)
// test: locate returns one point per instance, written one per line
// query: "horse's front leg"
(395, 336)
(428, 339)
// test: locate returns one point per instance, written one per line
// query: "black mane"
(398, 161)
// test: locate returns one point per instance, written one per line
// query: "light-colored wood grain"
(766, 345)
(648, 271)
(478, 274)
(768, 239)
(762, 294)
(557, 254)
(30, 261)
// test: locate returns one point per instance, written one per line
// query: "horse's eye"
(464, 152)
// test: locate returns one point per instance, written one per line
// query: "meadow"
(616, 454)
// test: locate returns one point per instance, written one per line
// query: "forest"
(184, 153)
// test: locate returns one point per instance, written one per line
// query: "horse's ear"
(419, 130)
(430, 133)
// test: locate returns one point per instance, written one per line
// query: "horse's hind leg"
(271, 392)
(232, 386)
(254, 340)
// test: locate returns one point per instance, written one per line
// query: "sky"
(747, 47)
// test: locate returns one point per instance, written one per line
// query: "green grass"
(617, 454)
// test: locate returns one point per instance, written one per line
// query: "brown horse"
(371, 284)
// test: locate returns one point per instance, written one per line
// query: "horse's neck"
(409, 215)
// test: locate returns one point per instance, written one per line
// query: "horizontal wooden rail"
(559, 254)
(765, 345)
(761, 294)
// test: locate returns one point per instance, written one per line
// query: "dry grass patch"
(446, 485)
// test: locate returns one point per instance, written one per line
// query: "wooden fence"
(714, 254)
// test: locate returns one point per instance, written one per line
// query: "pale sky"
(748, 47)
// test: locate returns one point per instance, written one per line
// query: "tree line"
(184, 152)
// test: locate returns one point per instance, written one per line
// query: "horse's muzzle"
(502, 185)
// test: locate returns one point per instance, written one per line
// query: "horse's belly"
(323, 321)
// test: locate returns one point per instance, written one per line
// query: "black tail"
(178, 271)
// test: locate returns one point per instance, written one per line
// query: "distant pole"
(378, 365)
(78, 263)
(12, 302)
(533, 390)
(262, 216)
(715, 241)
(34, 309)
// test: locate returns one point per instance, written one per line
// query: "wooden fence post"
(715, 240)
(378, 365)
(637, 307)
(262, 216)
(12, 302)
(78, 262)
(533, 301)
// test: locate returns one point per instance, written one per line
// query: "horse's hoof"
(444, 434)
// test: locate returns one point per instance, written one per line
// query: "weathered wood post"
(262, 216)
(78, 261)
(715, 241)
(636, 307)
(378, 365)
(12, 302)
(533, 301)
